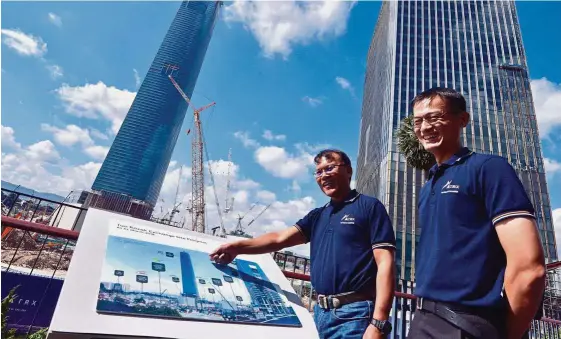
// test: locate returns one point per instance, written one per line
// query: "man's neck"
(446, 154)
(342, 196)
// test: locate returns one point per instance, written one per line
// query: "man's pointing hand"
(224, 254)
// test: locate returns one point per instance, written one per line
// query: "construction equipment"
(197, 177)
(176, 204)
(258, 215)
(239, 230)
(229, 204)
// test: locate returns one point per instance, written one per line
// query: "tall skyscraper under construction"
(132, 174)
(474, 47)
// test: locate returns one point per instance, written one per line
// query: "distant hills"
(25, 190)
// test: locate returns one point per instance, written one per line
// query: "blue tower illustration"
(188, 278)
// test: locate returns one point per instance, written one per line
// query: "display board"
(165, 274)
(134, 278)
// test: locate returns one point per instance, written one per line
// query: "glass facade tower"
(132, 174)
(476, 48)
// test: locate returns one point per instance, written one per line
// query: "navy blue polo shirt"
(459, 258)
(342, 237)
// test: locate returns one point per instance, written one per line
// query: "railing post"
(394, 317)
(35, 210)
(310, 299)
(13, 204)
(403, 312)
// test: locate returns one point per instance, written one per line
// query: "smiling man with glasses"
(352, 245)
(479, 265)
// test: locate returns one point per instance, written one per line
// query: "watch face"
(383, 325)
(387, 327)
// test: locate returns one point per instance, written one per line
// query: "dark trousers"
(426, 325)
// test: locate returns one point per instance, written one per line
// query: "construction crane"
(258, 215)
(176, 204)
(229, 204)
(197, 176)
(239, 230)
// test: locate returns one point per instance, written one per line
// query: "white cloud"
(245, 139)
(344, 83)
(279, 26)
(353, 184)
(305, 147)
(55, 71)
(266, 196)
(246, 192)
(280, 163)
(97, 100)
(42, 151)
(246, 184)
(8, 138)
(70, 135)
(24, 44)
(551, 166)
(547, 101)
(34, 173)
(55, 19)
(314, 102)
(40, 167)
(98, 134)
(268, 135)
(137, 81)
(97, 152)
(295, 188)
(556, 215)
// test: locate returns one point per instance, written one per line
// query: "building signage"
(35, 302)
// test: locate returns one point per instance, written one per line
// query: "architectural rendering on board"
(132, 174)
(476, 48)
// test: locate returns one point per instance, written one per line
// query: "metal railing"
(41, 250)
(43, 211)
(296, 269)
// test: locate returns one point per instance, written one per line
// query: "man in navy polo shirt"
(352, 246)
(480, 269)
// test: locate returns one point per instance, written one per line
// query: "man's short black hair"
(328, 154)
(455, 101)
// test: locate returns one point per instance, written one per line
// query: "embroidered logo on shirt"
(450, 188)
(348, 219)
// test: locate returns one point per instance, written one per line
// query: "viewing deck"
(34, 244)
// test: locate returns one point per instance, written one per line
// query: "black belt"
(445, 312)
(338, 300)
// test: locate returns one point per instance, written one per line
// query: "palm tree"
(411, 148)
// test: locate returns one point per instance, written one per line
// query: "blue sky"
(68, 79)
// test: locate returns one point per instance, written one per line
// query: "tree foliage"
(10, 333)
(411, 148)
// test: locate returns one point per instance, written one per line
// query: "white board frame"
(76, 317)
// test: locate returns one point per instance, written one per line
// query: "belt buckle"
(420, 303)
(335, 302)
(322, 301)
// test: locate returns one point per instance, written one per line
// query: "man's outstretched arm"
(267, 243)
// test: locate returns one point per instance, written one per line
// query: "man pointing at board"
(352, 245)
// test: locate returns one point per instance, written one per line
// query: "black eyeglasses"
(327, 170)
(431, 119)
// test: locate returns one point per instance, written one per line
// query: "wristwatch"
(384, 326)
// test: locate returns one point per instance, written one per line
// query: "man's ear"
(464, 118)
